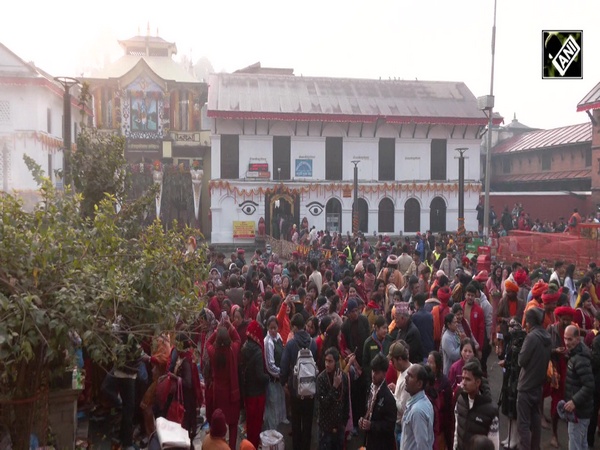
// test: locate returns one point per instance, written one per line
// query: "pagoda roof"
(163, 67)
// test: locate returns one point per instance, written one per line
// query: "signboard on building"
(244, 229)
(304, 168)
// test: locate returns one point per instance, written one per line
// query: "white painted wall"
(413, 163)
(28, 110)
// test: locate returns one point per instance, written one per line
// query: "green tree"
(64, 272)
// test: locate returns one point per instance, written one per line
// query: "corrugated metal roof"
(591, 100)
(544, 176)
(572, 134)
(163, 66)
(258, 94)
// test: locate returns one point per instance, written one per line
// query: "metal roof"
(287, 97)
(591, 100)
(572, 134)
(164, 67)
(544, 176)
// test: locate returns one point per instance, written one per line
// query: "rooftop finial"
(514, 116)
(156, 31)
(148, 29)
(139, 32)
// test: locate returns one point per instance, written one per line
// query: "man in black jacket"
(533, 360)
(579, 388)
(380, 419)
(356, 331)
(475, 412)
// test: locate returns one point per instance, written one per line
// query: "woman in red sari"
(223, 351)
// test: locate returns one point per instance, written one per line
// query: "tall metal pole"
(355, 204)
(488, 156)
(67, 83)
(461, 191)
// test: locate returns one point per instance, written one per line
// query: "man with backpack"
(299, 372)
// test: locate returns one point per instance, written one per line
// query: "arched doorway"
(412, 216)
(437, 215)
(386, 216)
(363, 215)
(333, 215)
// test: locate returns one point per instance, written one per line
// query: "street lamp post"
(488, 156)
(461, 191)
(355, 204)
(67, 83)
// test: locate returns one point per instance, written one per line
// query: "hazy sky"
(424, 39)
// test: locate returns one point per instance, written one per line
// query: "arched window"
(412, 216)
(386, 216)
(437, 215)
(333, 215)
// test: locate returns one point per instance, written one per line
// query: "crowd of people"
(519, 219)
(387, 344)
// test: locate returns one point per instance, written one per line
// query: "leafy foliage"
(98, 168)
(62, 271)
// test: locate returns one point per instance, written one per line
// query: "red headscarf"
(443, 294)
(538, 289)
(255, 332)
(564, 311)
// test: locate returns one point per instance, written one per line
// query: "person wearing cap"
(579, 388)
(391, 275)
(378, 342)
(449, 264)
(361, 266)
(510, 307)
(536, 297)
(253, 380)
(559, 356)
(533, 360)
(356, 331)
(403, 328)
(240, 262)
(550, 300)
(215, 439)
(398, 357)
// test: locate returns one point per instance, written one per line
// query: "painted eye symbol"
(315, 208)
(248, 207)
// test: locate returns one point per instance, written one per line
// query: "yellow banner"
(244, 229)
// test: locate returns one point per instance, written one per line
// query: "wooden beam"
(268, 127)
(428, 130)
(322, 126)
(400, 132)
(296, 128)
(452, 132)
(255, 127)
(465, 132)
(414, 131)
(361, 128)
(376, 127)
(348, 129)
(243, 126)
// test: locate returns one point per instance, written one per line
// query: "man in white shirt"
(558, 270)
(399, 357)
(316, 277)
